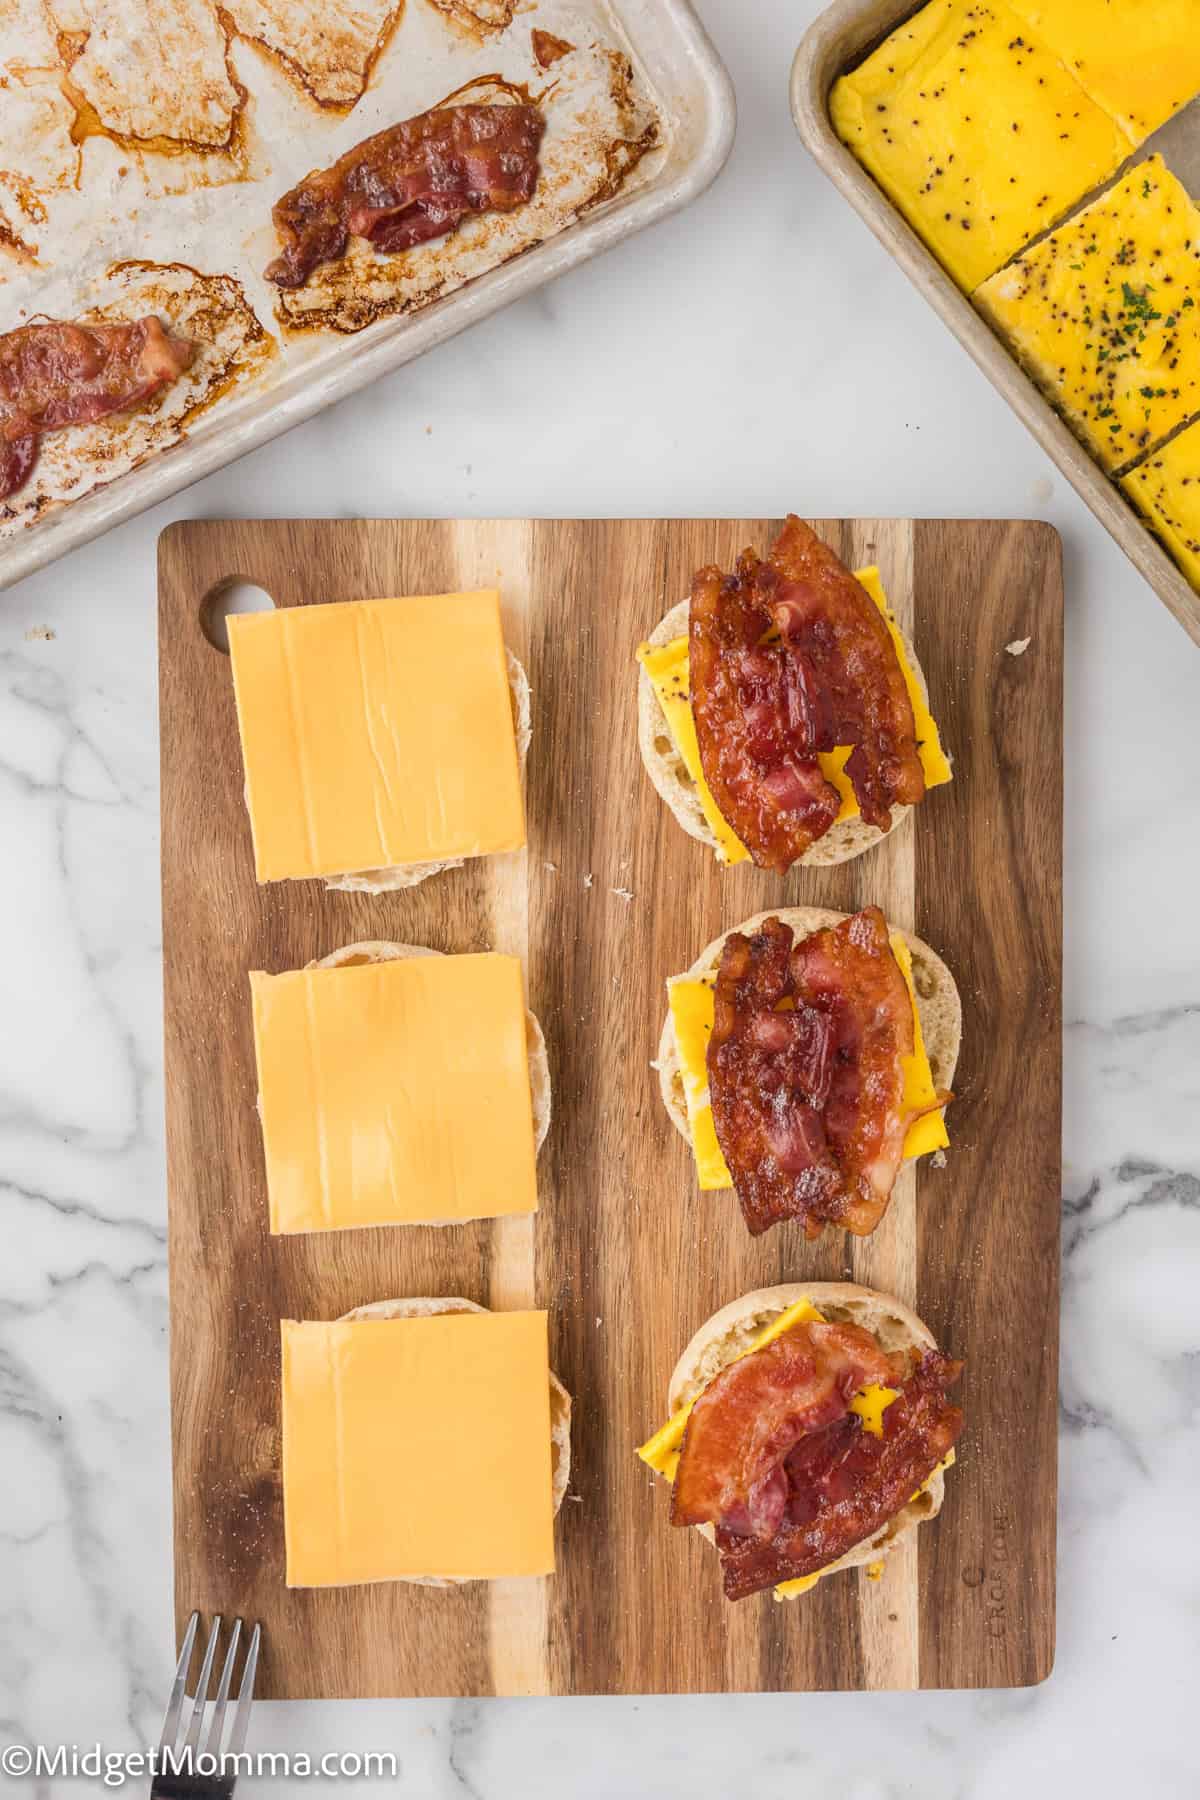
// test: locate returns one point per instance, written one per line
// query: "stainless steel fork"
(184, 1768)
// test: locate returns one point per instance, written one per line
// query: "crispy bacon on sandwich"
(805, 1055)
(810, 1428)
(783, 715)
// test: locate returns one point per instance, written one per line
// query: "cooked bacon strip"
(805, 1073)
(790, 657)
(844, 1483)
(742, 1428)
(58, 374)
(774, 1460)
(414, 181)
(18, 455)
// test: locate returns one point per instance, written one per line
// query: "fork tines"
(191, 1765)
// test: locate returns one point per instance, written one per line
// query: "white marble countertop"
(759, 352)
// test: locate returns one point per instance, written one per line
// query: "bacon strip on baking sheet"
(787, 1475)
(56, 374)
(415, 181)
(805, 1072)
(790, 656)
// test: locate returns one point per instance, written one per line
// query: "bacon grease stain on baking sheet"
(120, 193)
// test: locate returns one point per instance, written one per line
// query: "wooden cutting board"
(609, 899)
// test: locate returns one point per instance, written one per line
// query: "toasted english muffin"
(732, 1330)
(407, 875)
(560, 1400)
(846, 838)
(938, 1004)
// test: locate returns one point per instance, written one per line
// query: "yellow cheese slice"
(935, 764)
(977, 132)
(661, 1452)
(871, 1405)
(1167, 489)
(802, 1584)
(928, 1130)
(669, 669)
(1104, 313)
(395, 1092)
(416, 1447)
(376, 733)
(692, 1010)
(1138, 59)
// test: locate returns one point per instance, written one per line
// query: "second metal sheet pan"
(837, 41)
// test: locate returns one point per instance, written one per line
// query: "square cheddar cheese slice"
(1166, 487)
(416, 1446)
(1105, 314)
(976, 132)
(1138, 59)
(376, 733)
(395, 1093)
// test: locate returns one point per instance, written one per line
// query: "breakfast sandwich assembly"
(805, 1056)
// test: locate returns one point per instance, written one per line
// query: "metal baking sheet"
(123, 190)
(837, 41)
